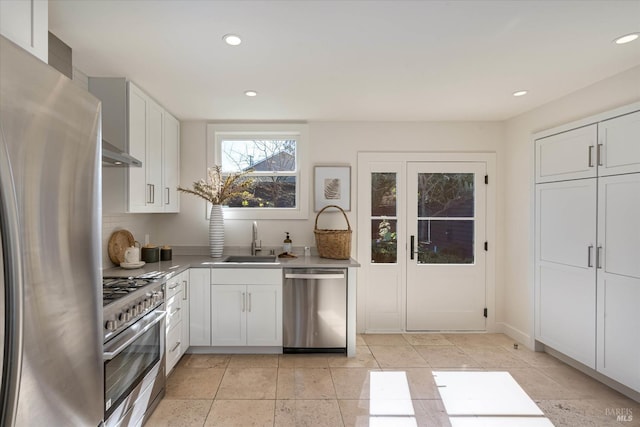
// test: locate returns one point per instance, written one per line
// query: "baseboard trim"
(515, 333)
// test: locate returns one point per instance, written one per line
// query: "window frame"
(217, 132)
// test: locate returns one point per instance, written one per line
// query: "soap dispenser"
(287, 247)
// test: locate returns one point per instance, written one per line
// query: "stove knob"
(148, 302)
(111, 325)
(134, 310)
(140, 307)
(124, 317)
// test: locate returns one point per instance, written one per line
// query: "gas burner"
(114, 288)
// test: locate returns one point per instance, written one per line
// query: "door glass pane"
(445, 241)
(384, 243)
(384, 220)
(383, 194)
(445, 195)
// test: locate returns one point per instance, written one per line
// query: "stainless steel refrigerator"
(50, 219)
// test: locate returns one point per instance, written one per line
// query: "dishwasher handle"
(315, 276)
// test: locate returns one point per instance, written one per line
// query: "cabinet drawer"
(246, 276)
(173, 286)
(173, 348)
(568, 155)
(174, 311)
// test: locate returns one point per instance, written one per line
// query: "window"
(275, 157)
(384, 219)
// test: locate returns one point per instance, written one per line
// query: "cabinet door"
(26, 23)
(264, 315)
(154, 156)
(619, 278)
(138, 190)
(565, 272)
(200, 307)
(228, 315)
(619, 149)
(568, 155)
(186, 313)
(170, 163)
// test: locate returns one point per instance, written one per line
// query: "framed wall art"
(332, 186)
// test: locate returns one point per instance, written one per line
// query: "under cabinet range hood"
(113, 156)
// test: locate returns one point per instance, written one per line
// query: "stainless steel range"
(134, 355)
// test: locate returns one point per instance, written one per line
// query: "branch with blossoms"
(218, 188)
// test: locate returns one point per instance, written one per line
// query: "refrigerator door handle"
(10, 262)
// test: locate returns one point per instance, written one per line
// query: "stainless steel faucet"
(256, 245)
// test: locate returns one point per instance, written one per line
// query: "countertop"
(180, 263)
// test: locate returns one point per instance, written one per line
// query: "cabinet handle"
(153, 193)
(175, 348)
(184, 289)
(173, 287)
(243, 302)
(168, 195)
(599, 155)
(599, 257)
(591, 156)
(174, 312)
(249, 303)
(149, 189)
(589, 249)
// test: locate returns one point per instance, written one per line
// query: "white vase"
(216, 231)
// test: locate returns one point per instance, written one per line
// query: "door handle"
(599, 155)
(589, 249)
(599, 257)
(249, 302)
(168, 196)
(185, 287)
(243, 302)
(591, 156)
(149, 189)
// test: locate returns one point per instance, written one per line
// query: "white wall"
(517, 294)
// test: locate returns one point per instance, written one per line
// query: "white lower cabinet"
(175, 303)
(618, 278)
(246, 307)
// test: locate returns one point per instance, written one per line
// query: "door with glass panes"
(446, 269)
(428, 219)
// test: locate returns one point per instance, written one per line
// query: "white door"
(264, 315)
(228, 315)
(619, 145)
(565, 267)
(446, 270)
(619, 278)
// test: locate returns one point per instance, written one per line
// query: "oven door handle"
(132, 334)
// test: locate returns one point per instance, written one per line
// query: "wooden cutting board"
(118, 243)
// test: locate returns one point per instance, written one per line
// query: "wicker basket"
(333, 244)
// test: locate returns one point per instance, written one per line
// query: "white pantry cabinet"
(133, 122)
(587, 238)
(200, 307)
(26, 23)
(246, 307)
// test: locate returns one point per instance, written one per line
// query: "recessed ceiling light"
(520, 93)
(251, 93)
(627, 39)
(232, 39)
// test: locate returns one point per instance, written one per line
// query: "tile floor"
(332, 390)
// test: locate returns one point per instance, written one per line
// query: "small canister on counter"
(150, 253)
(165, 253)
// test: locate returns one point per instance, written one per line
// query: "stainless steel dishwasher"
(315, 310)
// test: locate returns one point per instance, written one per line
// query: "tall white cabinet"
(587, 255)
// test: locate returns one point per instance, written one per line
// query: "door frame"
(364, 239)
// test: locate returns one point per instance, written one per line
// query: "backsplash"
(137, 224)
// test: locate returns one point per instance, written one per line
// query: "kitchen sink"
(252, 259)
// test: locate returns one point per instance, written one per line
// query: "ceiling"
(323, 60)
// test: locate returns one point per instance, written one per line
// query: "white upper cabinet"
(567, 155)
(610, 146)
(133, 122)
(26, 23)
(619, 145)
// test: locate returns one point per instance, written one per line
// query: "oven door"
(134, 364)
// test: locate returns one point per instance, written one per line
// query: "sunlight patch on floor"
(390, 400)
